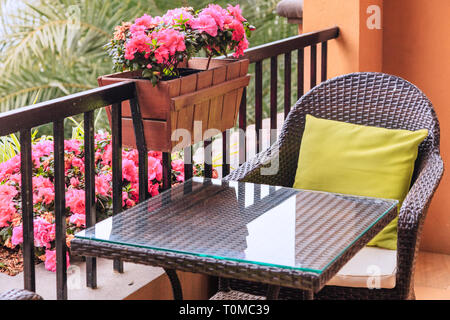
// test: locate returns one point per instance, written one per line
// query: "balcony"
(282, 71)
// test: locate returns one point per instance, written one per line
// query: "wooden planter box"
(211, 96)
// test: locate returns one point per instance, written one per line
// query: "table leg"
(175, 282)
(273, 292)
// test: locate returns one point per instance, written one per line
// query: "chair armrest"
(264, 168)
(19, 294)
(411, 218)
(419, 196)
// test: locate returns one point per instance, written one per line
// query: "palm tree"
(52, 48)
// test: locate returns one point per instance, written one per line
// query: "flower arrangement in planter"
(174, 89)
(44, 193)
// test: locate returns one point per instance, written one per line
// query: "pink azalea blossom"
(78, 219)
(17, 235)
(50, 260)
(154, 169)
(129, 170)
(44, 232)
(236, 12)
(102, 184)
(178, 165)
(72, 146)
(7, 209)
(75, 200)
(74, 182)
(205, 23)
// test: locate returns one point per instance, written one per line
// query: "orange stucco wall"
(414, 44)
(416, 41)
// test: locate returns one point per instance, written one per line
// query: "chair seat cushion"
(371, 268)
(353, 159)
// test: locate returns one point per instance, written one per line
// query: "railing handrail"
(63, 107)
(276, 48)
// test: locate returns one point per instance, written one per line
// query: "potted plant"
(175, 90)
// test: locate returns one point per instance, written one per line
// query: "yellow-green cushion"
(359, 160)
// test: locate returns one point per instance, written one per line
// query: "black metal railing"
(55, 111)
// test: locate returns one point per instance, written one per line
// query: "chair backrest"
(372, 99)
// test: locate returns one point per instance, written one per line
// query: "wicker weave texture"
(372, 99)
(19, 294)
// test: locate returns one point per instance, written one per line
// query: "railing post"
(89, 190)
(26, 170)
(116, 116)
(60, 211)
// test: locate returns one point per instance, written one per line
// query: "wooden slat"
(225, 153)
(324, 61)
(89, 189)
(142, 149)
(313, 75)
(201, 112)
(116, 115)
(273, 98)
(186, 112)
(287, 83)
(205, 94)
(300, 72)
(242, 127)
(258, 102)
(207, 149)
(188, 163)
(26, 170)
(60, 210)
(167, 171)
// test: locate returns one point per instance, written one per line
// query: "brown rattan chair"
(372, 99)
(20, 294)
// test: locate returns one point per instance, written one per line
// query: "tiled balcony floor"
(432, 279)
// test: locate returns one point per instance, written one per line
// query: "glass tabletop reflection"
(259, 224)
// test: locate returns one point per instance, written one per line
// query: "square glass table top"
(245, 222)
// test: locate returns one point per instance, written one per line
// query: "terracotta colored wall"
(414, 44)
(417, 48)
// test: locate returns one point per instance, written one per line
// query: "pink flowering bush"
(11, 232)
(157, 45)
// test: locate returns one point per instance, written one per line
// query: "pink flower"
(75, 200)
(77, 162)
(205, 23)
(50, 260)
(7, 209)
(178, 166)
(102, 184)
(44, 232)
(78, 219)
(8, 192)
(107, 155)
(236, 12)
(43, 190)
(240, 48)
(72, 146)
(17, 235)
(154, 169)
(217, 13)
(238, 30)
(177, 14)
(129, 170)
(43, 148)
(9, 167)
(153, 189)
(74, 182)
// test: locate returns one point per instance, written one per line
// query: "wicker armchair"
(19, 294)
(372, 99)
